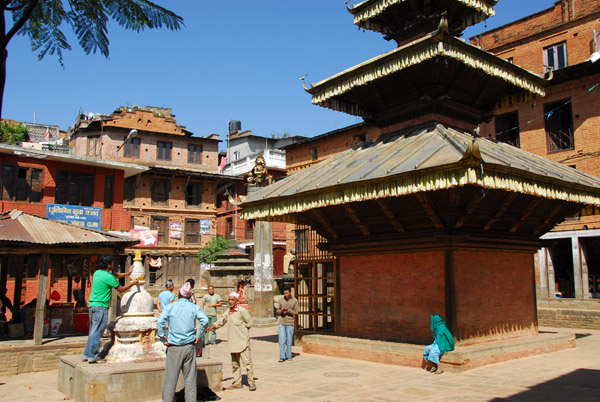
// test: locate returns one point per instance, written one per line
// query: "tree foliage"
(209, 253)
(12, 134)
(44, 20)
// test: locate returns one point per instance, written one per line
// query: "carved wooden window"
(192, 231)
(161, 224)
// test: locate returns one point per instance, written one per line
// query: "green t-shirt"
(208, 299)
(102, 284)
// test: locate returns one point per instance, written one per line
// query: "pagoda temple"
(431, 218)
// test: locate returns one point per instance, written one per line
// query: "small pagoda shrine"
(431, 218)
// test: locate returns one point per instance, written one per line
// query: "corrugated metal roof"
(17, 226)
(416, 152)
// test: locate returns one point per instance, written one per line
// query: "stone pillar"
(551, 278)
(577, 274)
(585, 284)
(542, 261)
(263, 274)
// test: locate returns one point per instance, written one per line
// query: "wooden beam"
(40, 307)
(363, 228)
(16, 263)
(547, 221)
(429, 210)
(325, 222)
(505, 204)
(526, 213)
(472, 206)
(389, 213)
(58, 250)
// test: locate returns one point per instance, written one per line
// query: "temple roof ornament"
(399, 19)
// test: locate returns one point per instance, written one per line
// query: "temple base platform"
(461, 359)
(84, 382)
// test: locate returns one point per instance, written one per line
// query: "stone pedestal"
(85, 382)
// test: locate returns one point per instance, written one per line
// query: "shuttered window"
(22, 183)
(74, 188)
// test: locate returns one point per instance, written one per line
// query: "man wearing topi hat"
(238, 322)
(181, 343)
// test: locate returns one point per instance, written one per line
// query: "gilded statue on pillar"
(259, 175)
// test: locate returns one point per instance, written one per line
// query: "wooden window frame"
(558, 124)
(78, 188)
(192, 237)
(132, 147)
(94, 146)
(164, 150)
(511, 135)
(551, 55)
(129, 190)
(156, 198)
(109, 191)
(33, 188)
(196, 197)
(163, 236)
(195, 153)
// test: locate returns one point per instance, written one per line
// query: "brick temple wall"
(391, 296)
(495, 295)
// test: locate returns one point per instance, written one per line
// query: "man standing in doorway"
(182, 340)
(287, 309)
(166, 296)
(210, 302)
(238, 322)
(102, 284)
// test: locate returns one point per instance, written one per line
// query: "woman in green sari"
(442, 343)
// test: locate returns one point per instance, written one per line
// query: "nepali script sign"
(85, 217)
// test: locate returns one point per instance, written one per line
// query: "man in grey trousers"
(181, 342)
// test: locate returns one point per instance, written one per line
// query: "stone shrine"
(135, 330)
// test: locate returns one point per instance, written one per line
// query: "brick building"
(562, 42)
(175, 200)
(31, 179)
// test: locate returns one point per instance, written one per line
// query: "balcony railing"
(560, 140)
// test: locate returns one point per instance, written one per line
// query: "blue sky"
(234, 59)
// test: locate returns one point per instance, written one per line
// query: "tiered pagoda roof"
(400, 20)
(437, 73)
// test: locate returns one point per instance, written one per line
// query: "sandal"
(439, 372)
(433, 369)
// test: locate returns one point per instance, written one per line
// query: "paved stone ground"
(570, 375)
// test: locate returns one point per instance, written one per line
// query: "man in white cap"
(181, 343)
(238, 322)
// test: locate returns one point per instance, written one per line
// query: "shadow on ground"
(579, 386)
(202, 394)
(267, 338)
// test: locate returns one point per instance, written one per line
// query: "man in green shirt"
(102, 284)
(210, 302)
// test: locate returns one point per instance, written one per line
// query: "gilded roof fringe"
(283, 210)
(378, 7)
(324, 97)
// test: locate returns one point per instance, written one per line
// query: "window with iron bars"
(559, 126)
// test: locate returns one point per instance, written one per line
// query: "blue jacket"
(181, 316)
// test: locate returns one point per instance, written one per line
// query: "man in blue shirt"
(181, 343)
(166, 296)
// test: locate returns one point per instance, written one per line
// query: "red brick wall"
(114, 218)
(495, 294)
(391, 296)
(525, 39)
